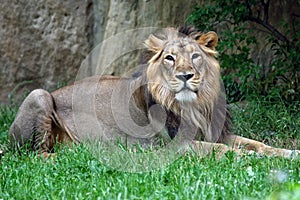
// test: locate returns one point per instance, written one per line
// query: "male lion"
(180, 88)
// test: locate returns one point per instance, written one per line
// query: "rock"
(127, 15)
(42, 43)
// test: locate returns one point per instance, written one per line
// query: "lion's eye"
(170, 58)
(195, 56)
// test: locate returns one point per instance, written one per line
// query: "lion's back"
(93, 108)
(76, 105)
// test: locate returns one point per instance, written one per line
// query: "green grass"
(76, 174)
(273, 123)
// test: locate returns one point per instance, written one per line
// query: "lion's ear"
(154, 43)
(209, 40)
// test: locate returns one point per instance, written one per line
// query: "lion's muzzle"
(184, 77)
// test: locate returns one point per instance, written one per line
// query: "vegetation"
(239, 24)
(76, 173)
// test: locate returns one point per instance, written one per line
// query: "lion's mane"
(208, 112)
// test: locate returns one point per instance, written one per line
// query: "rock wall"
(43, 42)
(127, 15)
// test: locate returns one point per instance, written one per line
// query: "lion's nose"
(184, 77)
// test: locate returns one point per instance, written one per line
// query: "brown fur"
(182, 78)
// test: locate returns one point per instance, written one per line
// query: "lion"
(178, 91)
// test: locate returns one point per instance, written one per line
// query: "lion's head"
(183, 70)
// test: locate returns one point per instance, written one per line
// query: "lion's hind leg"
(34, 123)
(238, 142)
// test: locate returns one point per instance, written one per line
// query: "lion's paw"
(293, 154)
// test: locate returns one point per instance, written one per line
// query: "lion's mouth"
(186, 89)
(186, 95)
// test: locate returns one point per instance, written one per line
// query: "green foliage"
(286, 65)
(272, 122)
(76, 174)
(290, 192)
(244, 77)
(7, 114)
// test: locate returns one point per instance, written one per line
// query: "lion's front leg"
(207, 148)
(238, 142)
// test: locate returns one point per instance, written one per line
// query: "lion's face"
(183, 68)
